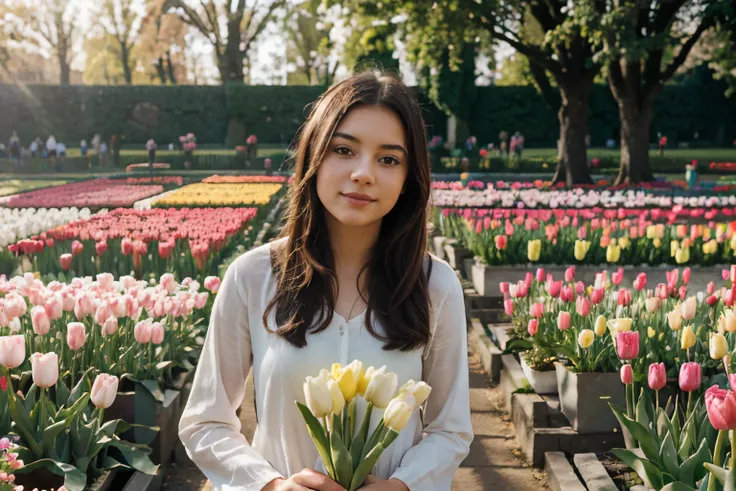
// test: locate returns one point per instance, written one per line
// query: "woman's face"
(365, 167)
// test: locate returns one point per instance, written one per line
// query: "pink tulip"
(12, 351)
(570, 274)
(657, 376)
(75, 335)
(53, 306)
(501, 242)
(537, 310)
(212, 283)
(563, 320)
(102, 313)
(640, 282)
(689, 376)
(100, 247)
(65, 261)
(539, 276)
(528, 278)
(566, 295)
(201, 300)
(502, 286)
(627, 375)
(721, 406)
(83, 305)
(104, 391)
(725, 274)
(168, 282)
(686, 276)
(533, 327)
(45, 369)
(117, 306)
(582, 306)
(711, 288)
(40, 320)
(110, 326)
(579, 287)
(508, 306)
(627, 345)
(624, 297)
(157, 333)
(618, 276)
(728, 298)
(732, 381)
(77, 248)
(15, 305)
(554, 288)
(711, 300)
(142, 332)
(126, 246)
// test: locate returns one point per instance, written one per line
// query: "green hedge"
(275, 113)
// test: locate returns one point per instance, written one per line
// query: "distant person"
(610, 143)
(34, 148)
(519, 147)
(151, 147)
(587, 141)
(503, 142)
(96, 146)
(103, 154)
(51, 150)
(83, 147)
(171, 147)
(15, 151)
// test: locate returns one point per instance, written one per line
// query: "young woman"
(349, 279)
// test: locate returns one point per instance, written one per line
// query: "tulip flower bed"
(646, 338)
(579, 198)
(19, 223)
(96, 193)
(162, 180)
(14, 186)
(244, 179)
(119, 333)
(204, 194)
(185, 241)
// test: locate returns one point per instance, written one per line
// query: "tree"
(563, 57)
(231, 28)
(47, 25)
(161, 45)
(121, 22)
(643, 46)
(309, 46)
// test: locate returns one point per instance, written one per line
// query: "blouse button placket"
(343, 345)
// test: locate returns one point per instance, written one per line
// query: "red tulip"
(65, 261)
(657, 376)
(126, 246)
(627, 345)
(540, 275)
(100, 247)
(501, 242)
(689, 376)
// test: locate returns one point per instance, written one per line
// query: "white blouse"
(423, 457)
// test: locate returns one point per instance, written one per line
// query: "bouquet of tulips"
(348, 451)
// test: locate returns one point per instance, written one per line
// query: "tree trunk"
(64, 75)
(125, 60)
(572, 159)
(635, 126)
(170, 69)
(160, 71)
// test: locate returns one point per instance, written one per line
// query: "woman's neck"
(351, 246)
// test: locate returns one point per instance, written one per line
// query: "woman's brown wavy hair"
(397, 281)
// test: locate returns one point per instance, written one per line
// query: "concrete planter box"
(438, 246)
(584, 399)
(542, 382)
(456, 253)
(487, 278)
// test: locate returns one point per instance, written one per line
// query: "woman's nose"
(364, 171)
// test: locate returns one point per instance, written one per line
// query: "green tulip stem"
(42, 414)
(71, 374)
(656, 401)
(689, 404)
(722, 435)
(732, 464)
(101, 415)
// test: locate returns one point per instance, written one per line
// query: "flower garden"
(607, 317)
(104, 306)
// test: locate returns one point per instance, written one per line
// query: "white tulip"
(317, 394)
(419, 390)
(338, 401)
(399, 412)
(381, 387)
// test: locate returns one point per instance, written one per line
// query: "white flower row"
(574, 198)
(20, 223)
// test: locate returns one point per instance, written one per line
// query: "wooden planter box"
(584, 399)
(45, 479)
(456, 253)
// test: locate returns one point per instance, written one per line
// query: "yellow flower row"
(204, 194)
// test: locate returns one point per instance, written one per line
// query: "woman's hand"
(302, 481)
(372, 483)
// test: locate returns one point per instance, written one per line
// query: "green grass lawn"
(710, 154)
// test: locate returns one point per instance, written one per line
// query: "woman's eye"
(342, 150)
(390, 160)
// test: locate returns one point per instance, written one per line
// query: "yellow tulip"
(674, 246)
(675, 319)
(364, 380)
(220, 194)
(623, 242)
(613, 253)
(682, 255)
(586, 338)
(651, 332)
(623, 325)
(534, 249)
(728, 319)
(338, 401)
(581, 249)
(346, 379)
(651, 232)
(600, 325)
(657, 243)
(718, 346)
(687, 340)
(707, 234)
(733, 242)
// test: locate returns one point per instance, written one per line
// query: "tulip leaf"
(341, 458)
(641, 414)
(720, 473)
(668, 456)
(49, 436)
(317, 432)
(24, 427)
(29, 400)
(365, 467)
(692, 470)
(61, 391)
(74, 479)
(648, 472)
(664, 426)
(678, 486)
(687, 441)
(641, 434)
(136, 456)
(356, 449)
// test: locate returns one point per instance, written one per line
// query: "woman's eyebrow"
(388, 146)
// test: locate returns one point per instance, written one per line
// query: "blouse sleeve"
(448, 432)
(209, 427)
